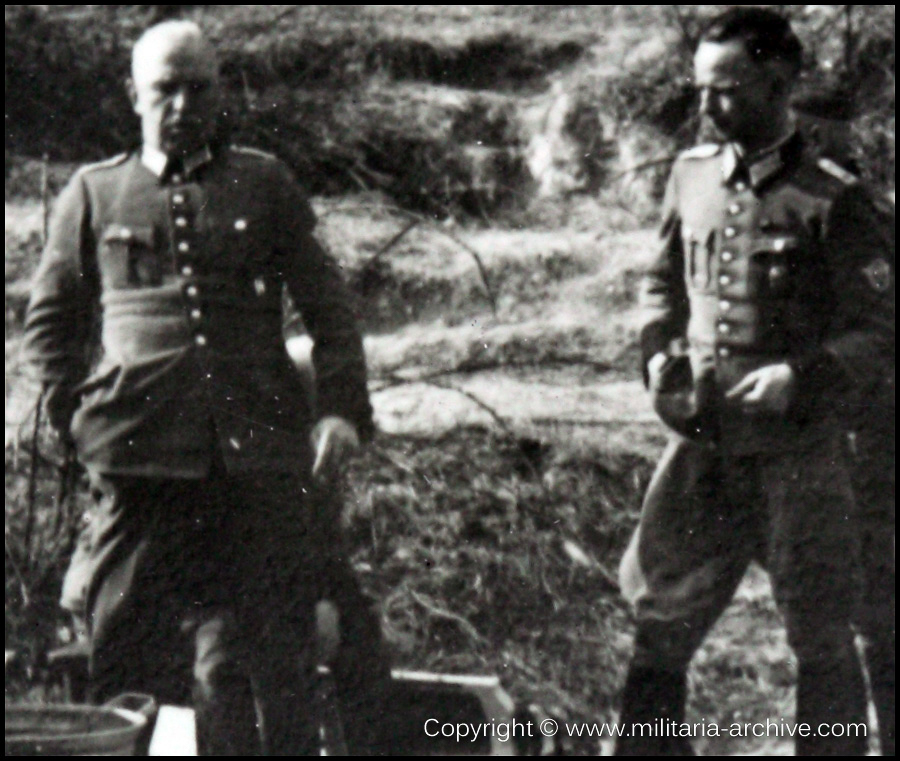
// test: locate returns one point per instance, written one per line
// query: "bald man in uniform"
(768, 315)
(214, 534)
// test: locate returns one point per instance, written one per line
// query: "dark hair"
(766, 35)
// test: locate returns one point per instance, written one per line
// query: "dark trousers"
(705, 518)
(207, 589)
(872, 459)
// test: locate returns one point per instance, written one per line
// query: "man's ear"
(781, 80)
(132, 93)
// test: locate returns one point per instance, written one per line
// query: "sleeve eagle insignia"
(878, 273)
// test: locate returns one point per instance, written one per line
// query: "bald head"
(174, 87)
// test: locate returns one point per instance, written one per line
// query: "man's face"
(739, 97)
(175, 91)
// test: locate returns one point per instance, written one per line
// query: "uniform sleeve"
(664, 301)
(56, 344)
(315, 283)
(857, 353)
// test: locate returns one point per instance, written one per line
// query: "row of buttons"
(727, 256)
(184, 247)
(191, 290)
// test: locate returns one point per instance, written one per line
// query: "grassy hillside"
(452, 110)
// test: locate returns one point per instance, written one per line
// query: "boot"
(881, 667)
(831, 693)
(652, 698)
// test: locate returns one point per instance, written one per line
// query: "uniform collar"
(760, 166)
(157, 161)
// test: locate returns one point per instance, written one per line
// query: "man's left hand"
(334, 440)
(768, 389)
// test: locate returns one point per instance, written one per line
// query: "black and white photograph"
(440, 380)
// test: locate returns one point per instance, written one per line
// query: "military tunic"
(210, 544)
(777, 258)
(184, 275)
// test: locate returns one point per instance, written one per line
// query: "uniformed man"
(769, 311)
(211, 536)
(823, 120)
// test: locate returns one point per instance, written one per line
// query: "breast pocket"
(772, 265)
(238, 241)
(129, 257)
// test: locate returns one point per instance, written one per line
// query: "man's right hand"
(655, 366)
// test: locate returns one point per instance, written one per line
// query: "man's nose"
(181, 100)
(708, 102)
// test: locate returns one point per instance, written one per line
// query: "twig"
(470, 366)
(17, 571)
(30, 505)
(482, 270)
(642, 166)
(591, 423)
(45, 198)
(688, 40)
(396, 380)
(391, 243)
(483, 405)
(849, 39)
(422, 219)
(447, 615)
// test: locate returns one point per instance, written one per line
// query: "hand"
(768, 389)
(655, 366)
(334, 440)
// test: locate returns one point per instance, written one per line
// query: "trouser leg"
(813, 559)
(285, 556)
(695, 539)
(135, 576)
(361, 669)
(282, 665)
(224, 707)
(872, 464)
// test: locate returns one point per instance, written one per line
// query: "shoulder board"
(837, 171)
(253, 152)
(703, 151)
(106, 164)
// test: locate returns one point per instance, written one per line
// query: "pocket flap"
(777, 244)
(139, 234)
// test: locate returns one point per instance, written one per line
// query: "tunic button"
(180, 222)
(240, 225)
(780, 244)
(727, 256)
(735, 208)
(184, 247)
(196, 314)
(724, 352)
(724, 280)
(200, 340)
(724, 305)
(740, 186)
(187, 271)
(192, 291)
(724, 328)
(177, 178)
(730, 232)
(178, 198)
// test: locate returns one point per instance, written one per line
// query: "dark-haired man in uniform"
(208, 537)
(769, 313)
